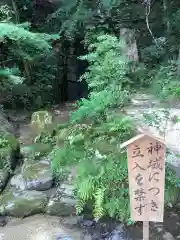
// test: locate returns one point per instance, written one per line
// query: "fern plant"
(101, 170)
(106, 77)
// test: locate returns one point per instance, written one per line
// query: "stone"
(159, 231)
(7, 159)
(35, 151)
(60, 236)
(62, 203)
(3, 221)
(34, 176)
(22, 203)
(178, 206)
(41, 121)
(9, 151)
(5, 125)
(72, 221)
(37, 227)
(117, 235)
(4, 176)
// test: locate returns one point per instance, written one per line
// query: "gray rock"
(159, 230)
(72, 221)
(34, 176)
(178, 206)
(62, 203)
(4, 176)
(22, 203)
(5, 125)
(60, 236)
(3, 221)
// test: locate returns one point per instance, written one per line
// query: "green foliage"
(154, 54)
(26, 51)
(73, 18)
(172, 184)
(99, 165)
(43, 82)
(32, 43)
(106, 77)
(165, 83)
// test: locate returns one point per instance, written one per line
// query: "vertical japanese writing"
(146, 178)
(155, 166)
(139, 193)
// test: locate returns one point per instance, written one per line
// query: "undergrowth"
(101, 175)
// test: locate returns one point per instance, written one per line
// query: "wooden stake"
(145, 230)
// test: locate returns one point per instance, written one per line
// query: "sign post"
(146, 173)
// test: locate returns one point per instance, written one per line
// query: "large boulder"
(62, 203)
(34, 176)
(41, 121)
(22, 203)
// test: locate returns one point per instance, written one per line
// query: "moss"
(36, 151)
(42, 121)
(13, 142)
(21, 204)
(31, 172)
(9, 140)
(5, 158)
(61, 126)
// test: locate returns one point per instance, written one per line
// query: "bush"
(99, 165)
(165, 83)
(107, 78)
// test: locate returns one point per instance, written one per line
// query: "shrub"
(107, 77)
(165, 83)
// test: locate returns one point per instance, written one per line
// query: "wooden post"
(146, 173)
(145, 230)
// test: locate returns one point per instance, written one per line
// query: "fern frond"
(80, 206)
(98, 211)
(85, 189)
(22, 36)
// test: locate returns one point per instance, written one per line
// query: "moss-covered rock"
(22, 203)
(62, 203)
(34, 176)
(42, 121)
(9, 151)
(4, 176)
(35, 151)
(5, 125)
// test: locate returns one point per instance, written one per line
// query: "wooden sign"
(146, 170)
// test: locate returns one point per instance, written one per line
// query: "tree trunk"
(72, 74)
(127, 37)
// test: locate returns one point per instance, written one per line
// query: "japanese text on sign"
(146, 179)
